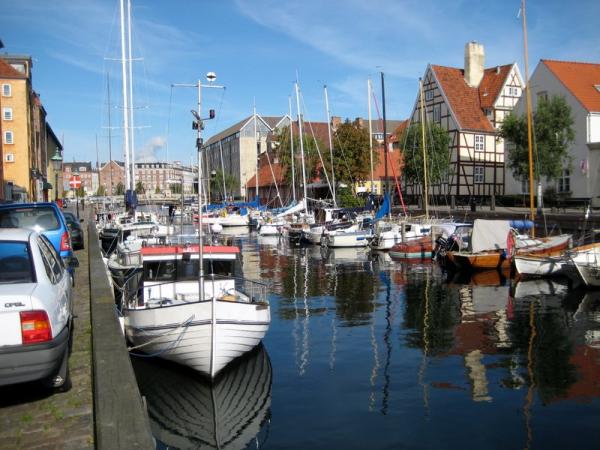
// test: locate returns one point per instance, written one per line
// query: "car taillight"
(65, 242)
(35, 327)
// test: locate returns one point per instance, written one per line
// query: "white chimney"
(474, 61)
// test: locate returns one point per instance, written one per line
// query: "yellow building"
(24, 146)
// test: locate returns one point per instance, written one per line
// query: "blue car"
(45, 218)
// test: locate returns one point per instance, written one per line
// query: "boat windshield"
(184, 270)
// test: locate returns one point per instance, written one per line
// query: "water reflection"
(187, 411)
(377, 353)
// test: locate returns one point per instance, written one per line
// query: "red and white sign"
(75, 181)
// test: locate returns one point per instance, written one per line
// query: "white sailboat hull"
(348, 239)
(538, 265)
(183, 332)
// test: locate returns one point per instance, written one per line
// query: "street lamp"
(56, 165)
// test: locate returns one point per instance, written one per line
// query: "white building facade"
(579, 84)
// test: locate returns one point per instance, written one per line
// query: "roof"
(265, 177)
(394, 165)
(271, 121)
(15, 234)
(468, 102)
(86, 164)
(8, 71)
(580, 79)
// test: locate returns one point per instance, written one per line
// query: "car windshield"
(15, 261)
(38, 219)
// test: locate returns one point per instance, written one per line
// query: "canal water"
(367, 353)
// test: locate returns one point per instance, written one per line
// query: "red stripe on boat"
(179, 250)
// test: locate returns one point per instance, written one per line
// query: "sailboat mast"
(130, 111)
(529, 120)
(292, 149)
(256, 144)
(301, 145)
(369, 91)
(424, 147)
(385, 147)
(109, 136)
(125, 102)
(330, 146)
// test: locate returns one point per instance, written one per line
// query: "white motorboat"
(388, 234)
(168, 316)
(350, 237)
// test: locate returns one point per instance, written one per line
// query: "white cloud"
(149, 152)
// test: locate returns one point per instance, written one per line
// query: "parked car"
(45, 218)
(75, 230)
(36, 311)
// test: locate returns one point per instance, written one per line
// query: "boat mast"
(423, 144)
(385, 147)
(301, 146)
(369, 91)
(109, 137)
(256, 144)
(529, 121)
(330, 146)
(125, 102)
(292, 149)
(130, 111)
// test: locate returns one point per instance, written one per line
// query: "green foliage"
(553, 134)
(437, 141)
(139, 188)
(216, 184)
(81, 191)
(120, 189)
(157, 190)
(175, 188)
(347, 199)
(311, 156)
(101, 191)
(351, 158)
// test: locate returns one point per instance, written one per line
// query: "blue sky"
(257, 47)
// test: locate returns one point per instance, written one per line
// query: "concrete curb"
(121, 419)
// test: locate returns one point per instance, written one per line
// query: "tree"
(347, 199)
(139, 188)
(81, 192)
(351, 158)
(553, 134)
(120, 189)
(216, 184)
(175, 188)
(157, 190)
(101, 191)
(311, 156)
(438, 155)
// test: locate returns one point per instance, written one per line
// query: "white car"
(36, 311)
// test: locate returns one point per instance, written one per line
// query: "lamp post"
(56, 165)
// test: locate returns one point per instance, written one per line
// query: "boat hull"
(413, 249)
(183, 333)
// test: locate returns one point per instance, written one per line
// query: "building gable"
(582, 81)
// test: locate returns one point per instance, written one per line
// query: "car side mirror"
(73, 262)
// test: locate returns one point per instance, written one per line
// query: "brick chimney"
(474, 61)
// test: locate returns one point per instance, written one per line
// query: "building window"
(82, 169)
(564, 182)
(6, 90)
(542, 95)
(7, 113)
(479, 142)
(8, 137)
(478, 174)
(429, 95)
(437, 113)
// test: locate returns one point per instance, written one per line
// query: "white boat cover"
(489, 235)
(301, 206)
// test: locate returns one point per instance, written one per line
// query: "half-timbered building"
(471, 103)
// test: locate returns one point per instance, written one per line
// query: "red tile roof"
(394, 165)
(468, 102)
(8, 71)
(265, 177)
(580, 79)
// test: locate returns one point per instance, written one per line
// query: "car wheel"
(61, 381)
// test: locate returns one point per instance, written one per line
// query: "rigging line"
(345, 160)
(317, 147)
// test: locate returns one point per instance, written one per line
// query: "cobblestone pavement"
(33, 418)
